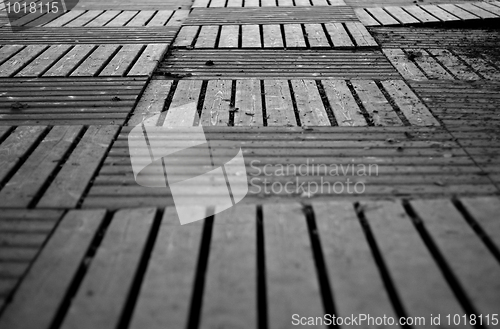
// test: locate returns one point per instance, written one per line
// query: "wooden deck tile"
(74, 101)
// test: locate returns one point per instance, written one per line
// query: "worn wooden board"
(379, 109)
(230, 293)
(216, 106)
(72, 180)
(467, 256)
(102, 295)
(28, 180)
(279, 107)
(151, 103)
(38, 298)
(248, 101)
(352, 270)
(309, 103)
(165, 299)
(406, 257)
(291, 278)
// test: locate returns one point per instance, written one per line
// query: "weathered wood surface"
(68, 101)
(428, 13)
(268, 261)
(277, 64)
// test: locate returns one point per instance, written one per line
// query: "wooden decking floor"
(396, 100)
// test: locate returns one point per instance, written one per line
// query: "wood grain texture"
(37, 300)
(165, 299)
(102, 295)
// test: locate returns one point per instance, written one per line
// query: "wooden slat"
(250, 36)
(186, 36)
(104, 18)
(216, 106)
(164, 300)
(365, 18)
(141, 18)
(95, 61)
(404, 66)
(283, 3)
(454, 64)
(208, 36)
(71, 182)
(252, 3)
(148, 60)
(469, 259)
(19, 60)
(8, 51)
(84, 19)
(361, 35)
(439, 13)
(121, 61)
(217, 3)
(279, 106)
(44, 61)
(413, 109)
(420, 14)
(111, 273)
(151, 103)
(229, 36)
(249, 103)
(161, 18)
(15, 147)
(401, 15)
(37, 300)
(64, 19)
(31, 176)
(268, 3)
(182, 110)
(68, 62)
(338, 35)
(316, 36)
(406, 258)
(122, 18)
(230, 294)
(476, 10)
(485, 210)
(200, 4)
(234, 3)
(272, 36)
(294, 36)
(479, 65)
(375, 103)
(383, 17)
(178, 18)
(343, 104)
(352, 271)
(428, 64)
(459, 12)
(309, 103)
(291, 279)
(319, 3)
(488, 7)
